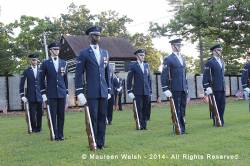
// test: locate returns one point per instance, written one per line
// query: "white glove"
(167, 93)
(82, 100)
(246, 95)
(67, 99)
(209, 91)
(131, 95)
(119, 89)
(109, 96)
(247, 90)
(44, 97)
(24, 99)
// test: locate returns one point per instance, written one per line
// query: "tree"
(7, 58)
(112, 24)
(192, 65)
(153, 56)
(211, 20)
(30, 39)
(76, 21)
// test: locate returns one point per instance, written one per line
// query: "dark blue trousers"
(180, 99)
(110, 109)
(142, 104)
(148, 112)
(36, 112)
(98, 112)
(57, 109)
(118, 95)
(220, 99)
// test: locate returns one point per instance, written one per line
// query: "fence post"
(195, 82)
(7, 91)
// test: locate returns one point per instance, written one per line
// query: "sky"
(140, 11)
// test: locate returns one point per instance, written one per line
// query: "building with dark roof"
(120, 50)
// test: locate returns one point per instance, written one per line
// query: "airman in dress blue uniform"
(118, 86)
(33, 95)
(111, 100)
(56, 89)
(140, 90)
(174, 82)
(93, 61)
(213, 79)
(245, 78)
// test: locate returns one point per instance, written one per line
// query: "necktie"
(55, 64)
(142, 67)
(180, 58)
(97, 54)
(35, 71)
(220, 62)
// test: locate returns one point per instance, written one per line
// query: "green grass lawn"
(156, 146)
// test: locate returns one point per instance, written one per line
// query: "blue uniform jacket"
(33, 85)
(213, 75)
(245, 75)
(97, 77)
(175, 73)
(56, 82)
(138, 82)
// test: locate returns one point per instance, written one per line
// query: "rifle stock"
(215, 110)
(50, 124)
(136, 116)
(116, 101)
(27, 115)
(210, 108)
(89, 129)
(175, 119)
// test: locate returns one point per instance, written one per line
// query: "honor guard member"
(111, 100)
(140, 90)
(174, 82)
(118, 85)
(93, 61)
(56, 90)
(245, 78)
(213, 79)
(33, 95)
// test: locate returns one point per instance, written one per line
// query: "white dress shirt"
(97, 53)
(218, 60)
(178, 55)
(141, 65)
(56, 63)
(34, 68)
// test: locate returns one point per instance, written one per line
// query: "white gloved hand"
(24, 99)
(119, 89)
(44, 97)
(67, 98)
(131, 95)
(82, 100)
(247, 90)
(209, 91)
(167, 93)
(109, 96)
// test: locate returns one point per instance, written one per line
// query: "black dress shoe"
(61, 138)
(34, 130)
(38, 130)
(100, 147)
